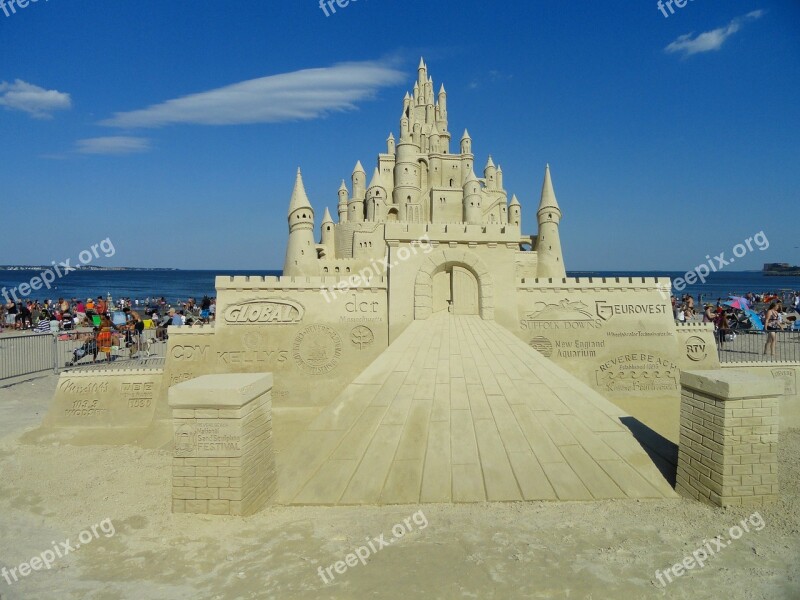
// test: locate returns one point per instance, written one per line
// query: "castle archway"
(456, 281)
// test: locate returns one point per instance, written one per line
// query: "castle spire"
(548, 201)
(548, 242)
(299, 196)
(301, 255)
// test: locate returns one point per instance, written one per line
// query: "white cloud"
(118, 144)
(299, 95)
(38, 102)
(710, 40)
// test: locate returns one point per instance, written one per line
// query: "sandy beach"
(587, 550)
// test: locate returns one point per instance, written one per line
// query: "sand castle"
(423, 350)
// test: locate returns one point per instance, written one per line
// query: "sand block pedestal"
(224, 461)
(728, 453)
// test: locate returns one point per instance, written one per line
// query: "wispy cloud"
(118, 144)
(38, 102)
(299, 95)
(709, 41)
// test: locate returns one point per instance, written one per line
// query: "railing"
(26, 354)
(31, 353)
(751, 346)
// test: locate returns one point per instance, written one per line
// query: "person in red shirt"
(100, 306)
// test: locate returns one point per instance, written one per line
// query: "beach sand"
(597, 550)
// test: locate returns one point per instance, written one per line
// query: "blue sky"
(175, 128)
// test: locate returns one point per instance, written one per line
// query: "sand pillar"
(728, 453)
(223, 455)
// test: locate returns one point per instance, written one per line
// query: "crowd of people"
(776, 311)
(111, 323)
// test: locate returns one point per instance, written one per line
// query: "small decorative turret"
(490, 173)
(514, 211)
(355, 208)
(466, 143)
(443, 102)
(390, 145)
(342, 203)
(473, 213)
(327, 234)
(301, 254)
(422, 73)
(376, 198)
(499, 178)
(548, 243)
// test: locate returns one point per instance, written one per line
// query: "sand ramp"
(460, 410)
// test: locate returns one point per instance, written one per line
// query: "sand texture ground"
(585, 550)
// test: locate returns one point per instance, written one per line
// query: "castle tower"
(499, 178)
(514, 211)
(466, 143)
(548, 243)
(343, 203)
(390, 145)
(407, 189)
(376, 198)
(473, 213)
(355, 208)
(441, 123)
(490, 174)
(327, 234)
(301, 253)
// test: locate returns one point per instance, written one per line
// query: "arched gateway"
(457, 281)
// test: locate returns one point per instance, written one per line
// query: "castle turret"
(376, 198)
(301, 253)
(466, 143)
(390, 145)
(473, 213)
(406, 177)
(499, 178)
(342, 203)
(422, 73)
(548, 243)
(327, 234)
(514, 211)
(355, 208)
(490, 174)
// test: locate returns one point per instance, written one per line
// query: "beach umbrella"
(755, 319)
(738, 302)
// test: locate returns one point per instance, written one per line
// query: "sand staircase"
(457, 409)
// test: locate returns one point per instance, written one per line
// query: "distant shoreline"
(83, 268)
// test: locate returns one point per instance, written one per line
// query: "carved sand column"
(728, 451)
(223, 462)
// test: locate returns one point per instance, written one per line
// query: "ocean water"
(180, 285)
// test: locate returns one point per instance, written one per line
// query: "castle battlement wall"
(662, 284)
(297, 283)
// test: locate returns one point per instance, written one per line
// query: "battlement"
(457, 232)
(115, 372)
(660, 284)
(300, 282)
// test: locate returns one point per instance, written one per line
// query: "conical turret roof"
(514, 201)
(326, 218)
(299, 196)
(343, 187)
(548, 194)
(376, 179)
(359, 169)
